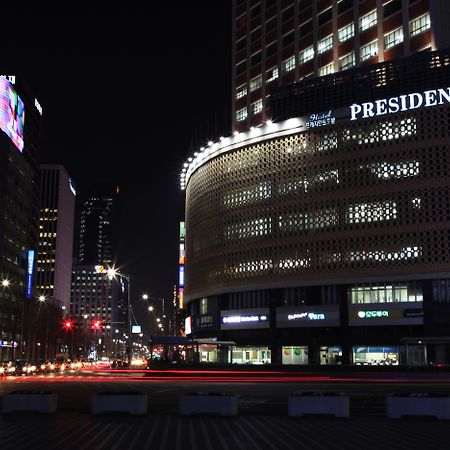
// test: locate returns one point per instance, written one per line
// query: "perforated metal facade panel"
(349, 201)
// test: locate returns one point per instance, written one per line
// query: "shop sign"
(372, 314)
(293, 317)
(399, 313)
(241, 319)
(245, 319)
(320, 120)
(306, 315)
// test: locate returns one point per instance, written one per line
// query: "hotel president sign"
(407, 102)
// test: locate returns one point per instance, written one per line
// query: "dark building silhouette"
(20, 131)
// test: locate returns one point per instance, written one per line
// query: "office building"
(56, 226)
(20, 122)
(276, 43)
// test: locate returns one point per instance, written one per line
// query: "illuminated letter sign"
(373, 314)
(30, 266)
(406, 102)
(320, 120)
(243, 319)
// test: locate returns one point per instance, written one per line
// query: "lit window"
(241, 114)
(272, 74)
(306, 55)
(288, 64)
(255, 83)
(346, 32)
(326, 70)
(393, 38)
(347, 61)
(368, 20)
(256, 107)
(369, 50)
(420, 24)
(325, 44)
(241, 91)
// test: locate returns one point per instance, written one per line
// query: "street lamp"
(5, 283)
(113, 273)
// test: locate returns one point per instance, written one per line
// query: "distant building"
(56, 225)
(276, 43)
(97, 298)
(98, 225)
(99, 308)
(20, 125)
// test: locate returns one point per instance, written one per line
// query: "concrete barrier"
(134, 403)
(303, 403)
(398, 406)
(30, 401)
(208, 403)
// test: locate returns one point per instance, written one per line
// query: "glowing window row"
(296, 263)
(387, 293)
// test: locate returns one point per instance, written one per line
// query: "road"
(262, 422)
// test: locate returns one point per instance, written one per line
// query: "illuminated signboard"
(298, 316)
(181, 298)
(8, 343)
(12, 113)
(99, 269)
(245, 319)
(10, 78)
(182, 230)
(306, 315)
(392, 105)
(181, 277)
(30, 265)
(242, 319)
(320, 120)
(398, 313)
(188, 325)
(38, 106)
(136, 329)
(373, 314)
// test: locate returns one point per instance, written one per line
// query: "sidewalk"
(68, 431)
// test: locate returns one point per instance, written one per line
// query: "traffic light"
(96, 325)
(68, 325)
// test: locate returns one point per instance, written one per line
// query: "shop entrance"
(330, 355)
(250, 355)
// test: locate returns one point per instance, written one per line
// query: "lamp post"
(113, 273)
(151, 308)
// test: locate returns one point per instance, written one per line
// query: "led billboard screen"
(12, 113)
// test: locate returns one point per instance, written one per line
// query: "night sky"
(127, 95)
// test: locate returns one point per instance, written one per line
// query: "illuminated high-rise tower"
(277, 43)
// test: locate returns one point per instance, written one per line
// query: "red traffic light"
(68, 324)
(96, 325)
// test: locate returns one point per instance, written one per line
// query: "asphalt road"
(262, 422)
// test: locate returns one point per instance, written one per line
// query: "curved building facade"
(326, 238)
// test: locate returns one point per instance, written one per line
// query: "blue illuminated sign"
(181, 277)
(30, 266)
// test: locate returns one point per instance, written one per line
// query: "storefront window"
(294, 355)
(250, 355)
(374, 356)
(330, 355)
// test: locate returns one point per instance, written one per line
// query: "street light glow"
(41, 298)
(150, 308)
(5, 283)
(144, 296)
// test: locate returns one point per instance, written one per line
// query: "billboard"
(312, 316)
(30, 266)
(12, 113)
(136, 329)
